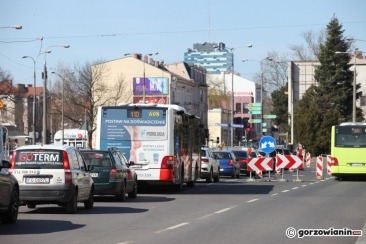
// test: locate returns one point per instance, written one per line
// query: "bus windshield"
(350, 136)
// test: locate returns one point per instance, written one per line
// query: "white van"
(52, 174)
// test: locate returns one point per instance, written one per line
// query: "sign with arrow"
(269, 116)
(289, 162)
(260, 164)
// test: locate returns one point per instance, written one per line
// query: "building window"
(245, 108)
(238, 108)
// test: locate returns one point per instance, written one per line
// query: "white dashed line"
(253, 200)
(285, 190)
(294, 188)
(177, 226)
(274, 194)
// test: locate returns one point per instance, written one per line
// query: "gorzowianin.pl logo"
(291, 232)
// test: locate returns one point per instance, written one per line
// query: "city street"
(230, 211)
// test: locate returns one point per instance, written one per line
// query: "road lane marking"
(294, 188)
(253, 200)
(303, 185)
(171, 227)
(274, 194)
(226, 209)
(285, 190)
(176, 226)
(205, 216)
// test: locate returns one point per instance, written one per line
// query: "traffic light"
(246, 123)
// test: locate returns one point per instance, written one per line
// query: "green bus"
(348, 150)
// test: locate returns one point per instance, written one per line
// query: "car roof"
(47, 146)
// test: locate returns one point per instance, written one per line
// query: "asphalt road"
(231, 211)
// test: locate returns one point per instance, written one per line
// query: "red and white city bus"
(163, 141)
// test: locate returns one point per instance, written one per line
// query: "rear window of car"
(203, 153)
(222, 155)
(96, 158)
(39, 159)
(241, 154)
(286, 152)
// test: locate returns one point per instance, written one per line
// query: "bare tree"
(310, 52)
(217, 97)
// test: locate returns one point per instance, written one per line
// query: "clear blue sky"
(105, 30)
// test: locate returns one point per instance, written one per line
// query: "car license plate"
(94, 175)
(33, 180)
(357, 164)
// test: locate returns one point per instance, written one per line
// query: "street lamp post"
(62, 105)
(34, 99)
(44, 115)
(261, 93)
(232, 90)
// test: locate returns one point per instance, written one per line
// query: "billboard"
(153, 85)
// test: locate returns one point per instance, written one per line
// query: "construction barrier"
(308, 160)
(329, 164)
(319, 168)
(289, 162)
(259, 165)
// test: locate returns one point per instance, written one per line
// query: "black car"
(111, 173)
(9, 195)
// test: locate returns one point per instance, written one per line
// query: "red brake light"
(68, 175)
(167, 162)
(113, 174)
(334, 161)
(204, 160)
(231, 163)
(12, 161)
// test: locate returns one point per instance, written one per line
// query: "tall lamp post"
(144, 75)
(354, 83)
(34, 99)
(232, 90)
(62, 104)
(261, 93)
(44, 115)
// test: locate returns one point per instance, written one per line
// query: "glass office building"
(214, 57)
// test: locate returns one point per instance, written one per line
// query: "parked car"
(111, 173)
(210, 168)
(229, 164)
(52, 174)
(9, 195)
(243, 158)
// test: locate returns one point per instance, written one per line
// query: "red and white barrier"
(319, 167)
(329, 164)
(289, 162)
(308, 160)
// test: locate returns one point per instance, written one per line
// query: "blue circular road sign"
(267, 144)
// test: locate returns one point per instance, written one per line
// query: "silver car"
(210, 168)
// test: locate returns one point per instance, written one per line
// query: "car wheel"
(88, 204)
(122, 195)
(72, 205)
(133, 194)
(217, 177)
(11, 215)
(209, 177)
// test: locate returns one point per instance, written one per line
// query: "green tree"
(329, 102)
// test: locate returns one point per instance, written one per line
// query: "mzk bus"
(348, 150)
(163, 141)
